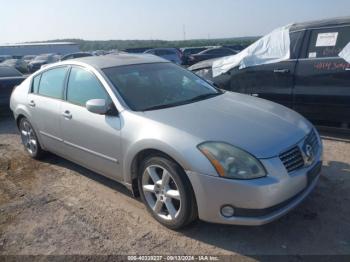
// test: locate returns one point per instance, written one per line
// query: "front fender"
(151, 144)
(186, 155)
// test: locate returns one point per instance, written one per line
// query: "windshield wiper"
(196, 98)
(204, 96)
(163, 106)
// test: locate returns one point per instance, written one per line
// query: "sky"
(37, 20)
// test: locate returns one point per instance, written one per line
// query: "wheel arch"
(140, 156)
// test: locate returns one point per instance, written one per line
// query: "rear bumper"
(255, 202)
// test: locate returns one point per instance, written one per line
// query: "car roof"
(321, 23)
(107, 61)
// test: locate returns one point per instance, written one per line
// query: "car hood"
(263, 128)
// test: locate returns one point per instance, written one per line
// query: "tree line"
(91, 45)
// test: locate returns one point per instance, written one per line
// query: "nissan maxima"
(187, 148)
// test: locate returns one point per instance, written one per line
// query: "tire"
(30, 140)
(166, 192)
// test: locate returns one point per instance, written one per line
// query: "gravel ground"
(56, 207)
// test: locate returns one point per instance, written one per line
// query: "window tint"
(6, 71)
(36, 81)
(192, 51)
(220, 51)
(52, 82)
(164, 52)
(83, 86)
(147, 85)
(212, 52)
(295, 43)
(328, 42)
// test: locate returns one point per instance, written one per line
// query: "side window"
(83, 86)
(296, 39)
(35, 85)
(52, 82)
(328, 42)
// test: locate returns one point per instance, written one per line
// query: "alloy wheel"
(161, 192)
(28, 137)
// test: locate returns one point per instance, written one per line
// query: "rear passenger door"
(322, 83)
(44, 103)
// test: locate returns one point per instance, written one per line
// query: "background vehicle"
(75, 55)
(9, 78)
(19, 64)
(170, 54)
(187, 51)
(138, 50)
(5, 57)
(237, 48)
(210, 54)
(99, 52)
(40, 60)
(315, 81)
(28, 58)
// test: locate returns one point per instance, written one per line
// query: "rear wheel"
(29, 139)
(166, 192)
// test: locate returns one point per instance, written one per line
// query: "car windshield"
(158, 85)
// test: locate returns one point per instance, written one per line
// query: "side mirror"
(97, 106)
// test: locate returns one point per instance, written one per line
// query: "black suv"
(315, 81)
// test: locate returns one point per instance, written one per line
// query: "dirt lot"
(57, 207)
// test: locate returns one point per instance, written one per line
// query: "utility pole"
(184, 31)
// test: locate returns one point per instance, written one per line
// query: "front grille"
(292, 159)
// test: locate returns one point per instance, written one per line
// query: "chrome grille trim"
(292, 159)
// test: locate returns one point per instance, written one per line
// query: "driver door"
(90, 139)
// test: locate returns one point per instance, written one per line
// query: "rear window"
(220, 51)
(328, 42)
(193, 51)
(164, 52)
(8, 72)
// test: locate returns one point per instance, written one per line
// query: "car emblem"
(308, 154)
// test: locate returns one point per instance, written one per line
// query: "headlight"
(232, 162)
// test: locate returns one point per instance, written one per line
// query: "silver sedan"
(188, 149)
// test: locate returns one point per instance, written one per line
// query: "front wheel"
(166, 192)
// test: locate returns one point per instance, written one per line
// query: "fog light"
(227, 211)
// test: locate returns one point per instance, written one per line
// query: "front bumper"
(258, 201)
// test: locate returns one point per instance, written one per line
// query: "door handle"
(256, 95)
(347, 69)
(281, 71)
(66, 114)
(31, 103)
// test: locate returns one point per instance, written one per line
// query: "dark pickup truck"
(315, 81)
(9, 78)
